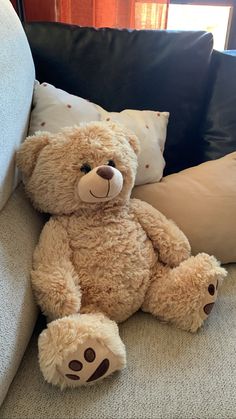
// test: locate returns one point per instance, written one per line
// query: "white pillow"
(54, 109)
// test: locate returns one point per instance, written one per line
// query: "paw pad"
(75, 365)
(211, 289)
(208, 307)
(89, 357)
(100, 371)
(72, 377)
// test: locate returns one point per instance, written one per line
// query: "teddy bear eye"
(111, 163)
(85, 168)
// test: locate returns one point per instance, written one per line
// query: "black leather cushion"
(219, 128)
(118, 69)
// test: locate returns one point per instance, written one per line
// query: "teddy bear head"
(88, 166)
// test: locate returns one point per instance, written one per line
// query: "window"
(215, 16)
(212, 19)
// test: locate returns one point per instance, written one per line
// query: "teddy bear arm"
(172, 245)
(54, 280)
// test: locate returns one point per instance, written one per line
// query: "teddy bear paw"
(214, 279)
(80, 349)
(210, 297)
(89, 363)
(210, 277)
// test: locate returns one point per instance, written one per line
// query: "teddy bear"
(103, 256)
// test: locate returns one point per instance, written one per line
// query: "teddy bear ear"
(129, 135)
(26, 156)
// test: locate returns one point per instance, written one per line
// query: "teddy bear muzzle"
(101, 184)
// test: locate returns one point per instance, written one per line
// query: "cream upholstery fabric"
(19, 229)
(170, 375)
(19, 223)
(16, 87)
(202, 202)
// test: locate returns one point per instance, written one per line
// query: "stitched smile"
(105, 196)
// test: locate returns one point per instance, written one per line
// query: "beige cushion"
(202, 202)
(55, 109)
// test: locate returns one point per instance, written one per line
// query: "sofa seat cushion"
(170, 374)
(20, 226)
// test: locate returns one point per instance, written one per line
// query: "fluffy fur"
(106, 258)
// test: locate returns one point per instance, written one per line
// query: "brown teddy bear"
(102, 255)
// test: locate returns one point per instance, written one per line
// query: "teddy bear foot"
(185, 295)
(80, 350)
(211, 279)
(90, 362)
(207, 275)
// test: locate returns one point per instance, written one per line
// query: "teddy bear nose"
(105, 172)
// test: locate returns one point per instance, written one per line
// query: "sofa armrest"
(20, 226)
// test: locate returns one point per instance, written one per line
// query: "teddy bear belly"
(114, 272)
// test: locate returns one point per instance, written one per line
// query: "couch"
(170, 373)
